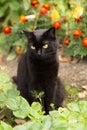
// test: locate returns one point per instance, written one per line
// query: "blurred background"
(69, 18)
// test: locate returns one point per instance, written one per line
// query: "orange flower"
(47, 6)
(7, 30)
(23, 19)
(67, 41)
(43, 11)
(34, 3)
(57, 25)
(84, 42)
(77, 33)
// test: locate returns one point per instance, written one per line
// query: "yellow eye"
(32, 47)
(45, 46)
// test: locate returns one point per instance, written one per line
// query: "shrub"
(71, 117)
(68, 18)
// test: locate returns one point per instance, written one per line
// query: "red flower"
(57, 25)
(67, 41)
(23, 19)
(84, 42)
(43, 11)
(7, 30)
(34, 3)
(47, 6)
(77, 33)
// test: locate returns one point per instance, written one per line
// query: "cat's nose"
(39, 52)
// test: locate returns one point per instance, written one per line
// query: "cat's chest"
(44, 72)
(41, 74)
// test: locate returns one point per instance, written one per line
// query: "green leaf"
(1, 128)
(19, 106)
(4, 78)
(8, 95)
(79, 106)
(36, 106)
(5, 82)
(3, 9)
(3, 98)
(47, 123)
(19, 42)
(11, 56)
(12, 93)
(26, 4)
(29, 126)
(22, 107)
(74, 107)
(83, 106)
(5, 126)
(64, 112)
(12, 104)
(77, 126)
(14, 4)
(20, 127)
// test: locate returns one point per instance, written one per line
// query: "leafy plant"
(5, 82)
(4, 126)
(71, 117)
(10, 10)
(30, 18)
(76, 31)
(65, 16)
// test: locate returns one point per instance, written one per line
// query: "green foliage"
(9, 42)
(10, 10)
(4, 126)
(76, 48)
(71, 117)
(5, 82)
(10, 98)
(72, 93)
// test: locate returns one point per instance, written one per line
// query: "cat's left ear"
(51, 32)
(28, 34)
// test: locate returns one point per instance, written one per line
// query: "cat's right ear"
(28, 34)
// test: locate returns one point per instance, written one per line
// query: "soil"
(74, 73)
(70, 72)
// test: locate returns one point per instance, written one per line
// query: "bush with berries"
(67, 17)
(76, 45)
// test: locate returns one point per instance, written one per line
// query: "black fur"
(38, 69)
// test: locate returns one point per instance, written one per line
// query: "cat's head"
(42, 42)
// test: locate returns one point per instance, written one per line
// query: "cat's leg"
(22, 85)
(48, 99)
(54, 94)
(59, 94)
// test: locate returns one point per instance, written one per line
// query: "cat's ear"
(51, 32)
(28, 34)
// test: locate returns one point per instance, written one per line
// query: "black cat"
(38, 69)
